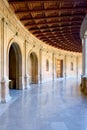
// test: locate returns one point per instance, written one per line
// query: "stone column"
(53, 66)
(40, 56)
(84, 65)
(4, 79)
(26, 77)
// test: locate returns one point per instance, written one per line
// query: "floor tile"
(57, 105)
(58, 126)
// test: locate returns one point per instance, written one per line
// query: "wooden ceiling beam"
(81, 16)
(57, 37)
(59, 27)
(75, 30)
(50, 23)
(64, 29)
(55, 32)
(52, 10)
(42, 1)
(66, 41)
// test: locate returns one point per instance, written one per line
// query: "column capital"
(82, 41)
(41, 48)
(4, 20)
(85, 36)
(53, 53)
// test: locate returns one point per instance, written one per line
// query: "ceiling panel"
(56, 22)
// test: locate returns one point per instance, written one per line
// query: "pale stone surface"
(55, 105)
(59, 126)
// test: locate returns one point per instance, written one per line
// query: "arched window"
(71, 65)
(47, 65)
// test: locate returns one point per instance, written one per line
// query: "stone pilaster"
(26, 77)
(40, 57)
(53, 66)
(65, 66)
(77, 66)
(5, 96)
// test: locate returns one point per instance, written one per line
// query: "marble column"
(5, 96)
(26, 77)
(84, 65)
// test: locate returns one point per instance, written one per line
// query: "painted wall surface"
(12, 31)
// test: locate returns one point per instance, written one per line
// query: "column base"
(52, 77)
(83, 84)
(6, 99)
(40, 79)
(5, 96)
(27, 86)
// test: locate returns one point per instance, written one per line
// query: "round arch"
(15, 66)
(33, 67)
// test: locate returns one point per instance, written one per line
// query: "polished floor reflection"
(49, 106)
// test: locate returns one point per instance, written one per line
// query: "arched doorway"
(59, 68)
(15, 67)
(34, 68)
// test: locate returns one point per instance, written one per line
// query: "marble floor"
(55, 105)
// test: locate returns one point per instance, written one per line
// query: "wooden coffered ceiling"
(55, 22)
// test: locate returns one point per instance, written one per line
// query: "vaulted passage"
(59, 68)
(40, 42)
(15, 67)
(40, 52)
(12, 67)
(34, 68)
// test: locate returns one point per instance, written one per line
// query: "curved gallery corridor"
(57, 105)
(40, 42)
